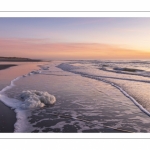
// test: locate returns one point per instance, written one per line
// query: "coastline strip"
(5, 66)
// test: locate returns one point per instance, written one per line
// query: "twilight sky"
(75, 38)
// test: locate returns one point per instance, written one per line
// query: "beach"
(7, 115)
(74, 96)
(5, 66)
(8, 119)
(9, 71)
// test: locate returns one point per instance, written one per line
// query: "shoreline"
(7, 115)
(8, 119)
(5, 66)
(18, 59)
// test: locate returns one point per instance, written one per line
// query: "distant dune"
(18, 59)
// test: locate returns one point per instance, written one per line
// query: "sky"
(75, 38)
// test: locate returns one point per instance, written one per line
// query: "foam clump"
(36, 99)
(36, 72)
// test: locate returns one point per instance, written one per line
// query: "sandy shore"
(7, 119)
(5, 66)
(7, 115)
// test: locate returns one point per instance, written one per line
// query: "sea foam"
(71, 68)
(35, 99)
(31, 99)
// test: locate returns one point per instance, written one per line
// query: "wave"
(31, 99)
(71, 68)
(129, 71)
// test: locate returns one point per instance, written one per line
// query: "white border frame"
(74, 135)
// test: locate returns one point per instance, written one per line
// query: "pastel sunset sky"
(75, 38)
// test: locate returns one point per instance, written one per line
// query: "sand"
(7, 119)
(7, 115)
(5, 66)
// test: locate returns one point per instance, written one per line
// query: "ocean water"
(78, 96)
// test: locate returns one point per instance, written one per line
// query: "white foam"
(32, 99)
(10, 86)
(70, 68)
(125, 93)
(35, 99)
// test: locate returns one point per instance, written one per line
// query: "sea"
(85, 96)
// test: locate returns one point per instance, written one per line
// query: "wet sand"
(7, 115)
(7, 119)
(5, 66)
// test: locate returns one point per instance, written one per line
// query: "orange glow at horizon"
(33, 48)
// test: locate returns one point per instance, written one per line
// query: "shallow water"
(83, 102)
